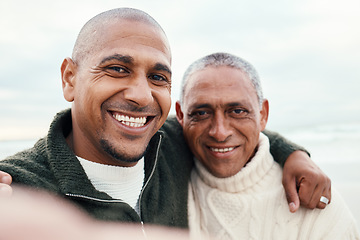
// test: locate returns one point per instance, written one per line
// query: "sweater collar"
(248, 176)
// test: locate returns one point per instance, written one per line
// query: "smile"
(222, 150)
(135, 122)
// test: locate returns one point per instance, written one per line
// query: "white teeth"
(130, 121)
(222, 150)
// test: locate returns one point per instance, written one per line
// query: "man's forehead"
(215, 88)
(131, 29)
(131, 41)
(225, 77)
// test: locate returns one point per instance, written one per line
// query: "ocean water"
(8, 148)
(334, 148)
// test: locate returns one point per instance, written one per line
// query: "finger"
(319, 192)
(326, 193)
(5, 190)
(321, 205)
(323, 189)
(291, 194)
(306, 192)
(315, 199)
(5, 178)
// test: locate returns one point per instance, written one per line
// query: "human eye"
(115, 71)
(118, 69)
(238, 112)
(159, 79)
(198, 115)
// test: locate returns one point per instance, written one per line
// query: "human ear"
(179, 113)
(264, 114)
(68, 72)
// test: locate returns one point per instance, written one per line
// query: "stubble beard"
(111, 150)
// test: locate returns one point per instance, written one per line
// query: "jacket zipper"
(107, 201)
(147, 182)
(121, 201)
(95, 199)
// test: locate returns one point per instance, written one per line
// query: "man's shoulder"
(172, 131)
(171, 124)
(27, 156)
(27, 166)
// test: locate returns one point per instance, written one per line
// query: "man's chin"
(109, 149)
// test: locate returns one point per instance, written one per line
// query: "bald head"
(88, 37)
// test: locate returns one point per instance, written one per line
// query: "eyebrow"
(119, 57)
(207, 105)
(162, 67)
(234, 104)
(201, 105)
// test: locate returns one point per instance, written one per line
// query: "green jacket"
(51, 165)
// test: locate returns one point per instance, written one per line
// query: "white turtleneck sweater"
(252, 205)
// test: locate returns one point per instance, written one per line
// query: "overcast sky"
(307, 54)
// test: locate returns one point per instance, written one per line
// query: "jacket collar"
(67, 168)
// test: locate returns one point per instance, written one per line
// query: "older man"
(237, 191)
(106, 153)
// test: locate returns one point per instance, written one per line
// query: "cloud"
(306, 52)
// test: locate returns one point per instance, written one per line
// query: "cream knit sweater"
(252, 205)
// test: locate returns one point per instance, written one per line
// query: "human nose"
(139, 92)
(220, 129)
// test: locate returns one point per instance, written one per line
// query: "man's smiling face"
(221, 118)
(120, 93)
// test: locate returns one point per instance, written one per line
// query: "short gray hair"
(227, 60)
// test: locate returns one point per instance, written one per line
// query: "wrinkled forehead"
(216, 84)
(216, 77)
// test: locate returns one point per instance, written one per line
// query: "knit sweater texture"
(252, 205)
(52, 166)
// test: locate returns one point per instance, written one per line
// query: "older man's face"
(222, 119)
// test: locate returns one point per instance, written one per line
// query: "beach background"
(307, 55)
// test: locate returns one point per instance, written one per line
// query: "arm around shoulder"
(281, 148)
